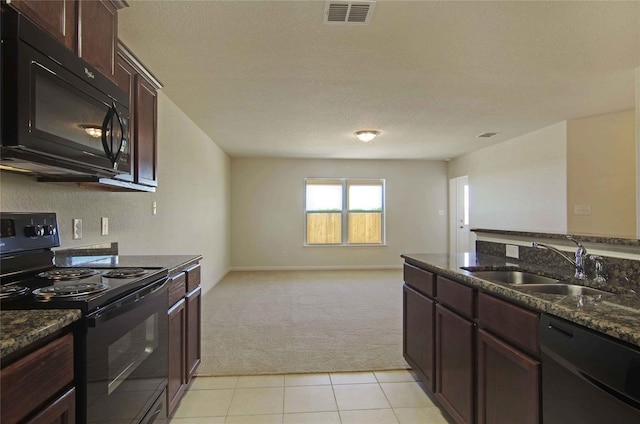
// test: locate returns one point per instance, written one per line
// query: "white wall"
(267, 224)
(519, 184)
(193, 200)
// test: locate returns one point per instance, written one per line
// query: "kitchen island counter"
(616, 314)
(23, 328)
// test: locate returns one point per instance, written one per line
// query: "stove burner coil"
(13, 292)
(125, 273)
(78, 289)
(67, 273)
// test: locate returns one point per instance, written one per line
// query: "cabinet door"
(97, 34)
(455, 365)
(146, 117)
(177, 353)
(35, 379)
(194, 307)
(125, 78)
(60, 411)
(508, 383)
(418, 334)
(57, 17)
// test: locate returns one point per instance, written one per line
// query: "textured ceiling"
(269, 78)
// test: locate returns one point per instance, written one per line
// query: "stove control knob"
(34, 231)
(50, 230)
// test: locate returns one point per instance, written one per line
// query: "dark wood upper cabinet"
(89, 28)
(98, 33)
(146, 163)
(133, 77)
(57, 17)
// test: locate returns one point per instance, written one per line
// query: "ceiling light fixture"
(367, 135)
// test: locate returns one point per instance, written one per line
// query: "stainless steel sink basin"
(514, 277)
(564, 289)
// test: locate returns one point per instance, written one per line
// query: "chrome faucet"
(580, 258)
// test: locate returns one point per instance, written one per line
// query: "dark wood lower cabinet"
(418, 322)
(194, 322)
(508, 383)
(185, 324)
(40, 385)
(455, 365)
(60, 411)
(477, 353)
(177, 354)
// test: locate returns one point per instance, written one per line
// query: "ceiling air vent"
(348, 12)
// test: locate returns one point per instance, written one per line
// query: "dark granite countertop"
(616, 314)
(22, 328)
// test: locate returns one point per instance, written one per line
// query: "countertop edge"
(21, 328)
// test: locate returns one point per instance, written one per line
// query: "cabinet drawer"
(420, 280)
(193, 277)
(514, 324)
(177, 287)
(35, 379)
(456, 296)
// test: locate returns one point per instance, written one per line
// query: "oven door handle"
(126, 304)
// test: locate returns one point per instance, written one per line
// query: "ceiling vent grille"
(348, 12)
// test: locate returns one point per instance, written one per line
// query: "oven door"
(126, 364)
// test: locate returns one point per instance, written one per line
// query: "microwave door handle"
(118, 152)
(107, 128)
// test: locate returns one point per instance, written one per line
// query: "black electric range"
(121, 341)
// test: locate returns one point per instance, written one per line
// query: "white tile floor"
(343, 398)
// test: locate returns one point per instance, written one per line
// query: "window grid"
(350, 220)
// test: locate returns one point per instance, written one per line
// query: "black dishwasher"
(587, 377)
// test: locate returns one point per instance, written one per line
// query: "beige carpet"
(302, 321)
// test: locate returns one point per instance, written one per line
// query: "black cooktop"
(76, 288)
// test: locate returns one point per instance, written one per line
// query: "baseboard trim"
(314, 268)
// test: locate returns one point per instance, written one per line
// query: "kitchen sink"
(514, 277)
(564, 289)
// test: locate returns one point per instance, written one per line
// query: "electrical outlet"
(77, 229)
(154, 208)
(512, 251)
(582, 209)
(104, 223)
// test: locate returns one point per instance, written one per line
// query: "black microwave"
(60, 116)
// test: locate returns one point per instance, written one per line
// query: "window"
(344, 211)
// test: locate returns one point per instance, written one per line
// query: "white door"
(459, 215)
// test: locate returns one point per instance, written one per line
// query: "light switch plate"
(513, 251)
